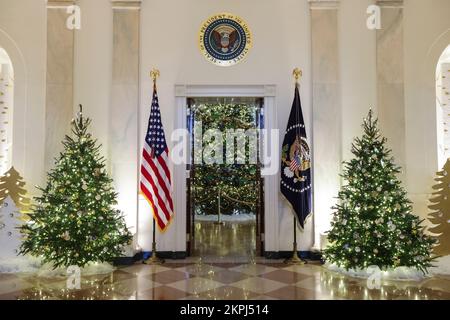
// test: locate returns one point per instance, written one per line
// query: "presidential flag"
(296, 164)
(155, 183)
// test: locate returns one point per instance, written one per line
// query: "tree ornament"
(66, 236)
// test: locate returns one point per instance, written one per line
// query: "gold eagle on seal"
(299, 158)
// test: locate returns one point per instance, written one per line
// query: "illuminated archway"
(443, 106)
(6, 110)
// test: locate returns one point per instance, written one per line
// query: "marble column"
(390, 78)
(59, 95)
(124, 148)
(326, 112)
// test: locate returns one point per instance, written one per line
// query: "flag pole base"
(154, 260)
(294, 260)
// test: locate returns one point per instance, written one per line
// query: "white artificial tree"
(10, 235)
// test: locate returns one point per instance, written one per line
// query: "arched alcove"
(6, 110)
(19, 120)
(443, 106)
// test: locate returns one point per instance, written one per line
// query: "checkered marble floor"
(199, 280)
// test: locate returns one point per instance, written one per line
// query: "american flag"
(155, 182)
(295, 162)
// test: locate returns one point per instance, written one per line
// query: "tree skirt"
(397, 274)
(47, 271)
(32, 265)
(441, 266)
(20, 265)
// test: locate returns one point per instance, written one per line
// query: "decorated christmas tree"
(440, 217)
(74, 221)
(12, 185)
(237, 182)
(372, 223)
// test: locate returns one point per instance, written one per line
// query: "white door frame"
(268, 92)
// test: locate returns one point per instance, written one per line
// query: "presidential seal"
(225, 39)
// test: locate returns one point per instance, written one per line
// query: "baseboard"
(126, 261)
(176, 255)
(309, 255)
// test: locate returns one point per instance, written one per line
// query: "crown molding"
(390, 3)
(60, 4)
(324, 4)
(126, 4)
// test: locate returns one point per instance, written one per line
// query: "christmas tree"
(10, 236)
(74, 221)
(236, 182)
(12, 185)
(372, 223)
(440, 217)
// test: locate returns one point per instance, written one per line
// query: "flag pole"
(154, 260)
(295, 259)
(219, 213)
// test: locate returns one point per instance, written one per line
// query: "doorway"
(225, 191)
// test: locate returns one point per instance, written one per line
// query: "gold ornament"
(12, 184)
(66, 236)
(440, 204)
